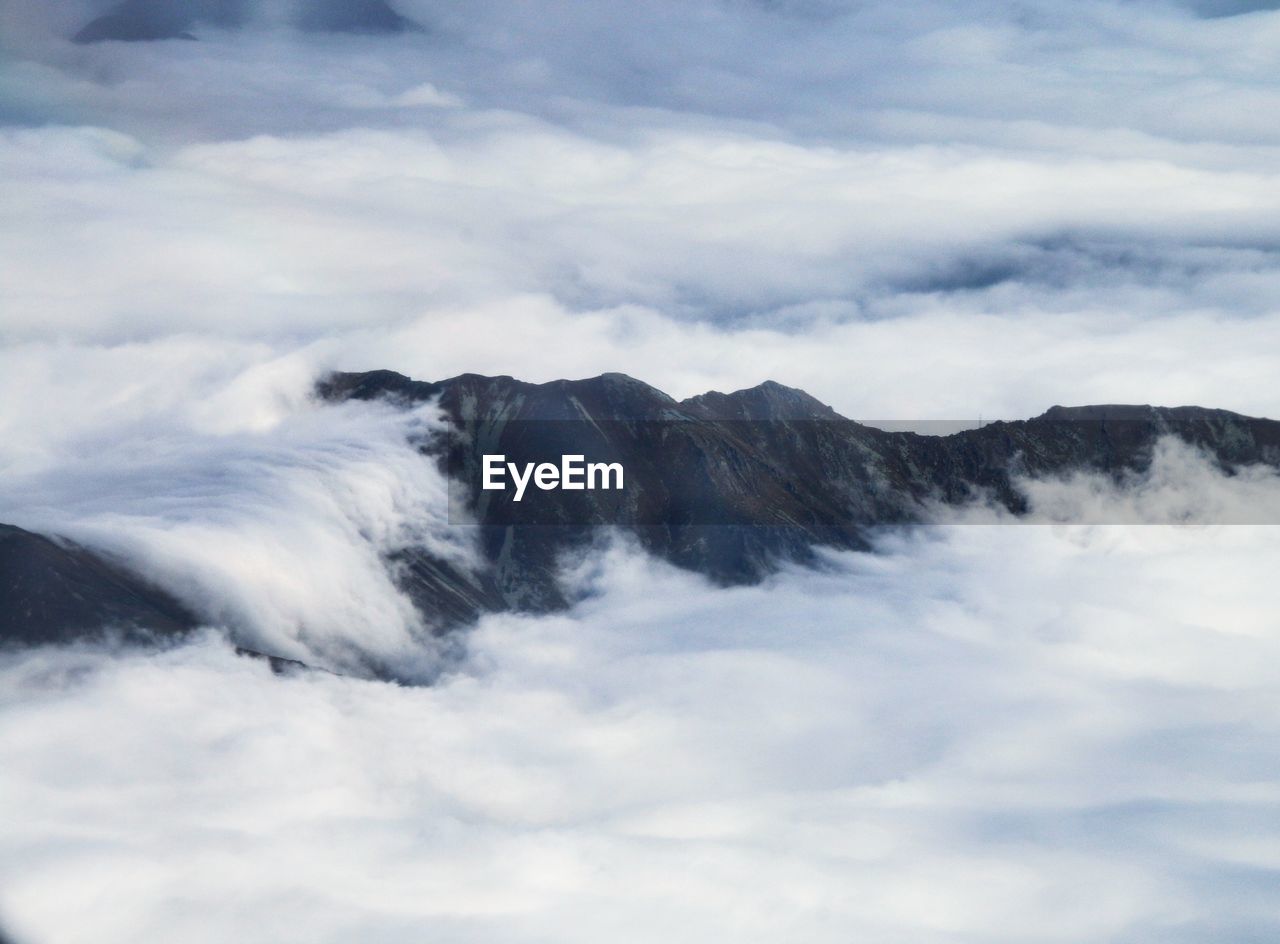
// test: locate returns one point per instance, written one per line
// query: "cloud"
(1182, 486)
(210, 470)
(986, 733)
(1037, 207)
(692, 260)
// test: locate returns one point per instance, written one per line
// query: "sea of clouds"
(915, 212)
(979, 734)
(932, 211)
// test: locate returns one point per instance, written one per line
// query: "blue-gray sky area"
(915, 211)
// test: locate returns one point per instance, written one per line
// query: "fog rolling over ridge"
(276, 274)
(734, 487)
(987, 731)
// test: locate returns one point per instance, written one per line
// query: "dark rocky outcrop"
(54, 591)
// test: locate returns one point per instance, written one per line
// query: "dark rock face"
(55, 591)
(730, 485)
(446, 595)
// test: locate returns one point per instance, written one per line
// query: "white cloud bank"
(985, 734)
(916, 214)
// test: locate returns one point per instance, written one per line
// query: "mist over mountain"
(728, 486)
(732, 485)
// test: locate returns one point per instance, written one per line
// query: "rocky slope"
(55, 591)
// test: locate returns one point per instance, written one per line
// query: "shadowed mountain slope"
(54, 591)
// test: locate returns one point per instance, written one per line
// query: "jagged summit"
(613, 395)
(767, 401)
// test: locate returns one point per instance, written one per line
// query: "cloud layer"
(984, 734)
(968, 209)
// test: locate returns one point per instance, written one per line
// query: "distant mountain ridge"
(148, 20)
(729, 485)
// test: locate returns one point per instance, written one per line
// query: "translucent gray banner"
(1110, 464)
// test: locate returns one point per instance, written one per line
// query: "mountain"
(730, 486)
(54, 591)
(142, 20)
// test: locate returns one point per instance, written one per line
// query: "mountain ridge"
(728, 485)
(155, 20)
(383, 383)
(768, 473)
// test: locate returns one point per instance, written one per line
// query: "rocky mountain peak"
(766, 401)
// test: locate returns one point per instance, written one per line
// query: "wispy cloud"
(210, 471)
